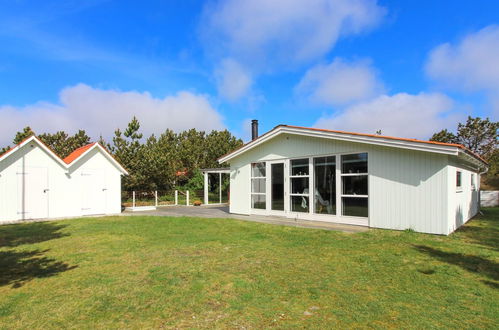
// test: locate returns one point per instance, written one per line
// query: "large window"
(325, 185)
(354, 185)
(258, 186)
(299, 178)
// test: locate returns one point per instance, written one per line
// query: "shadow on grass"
(467, 262)
(19, 267)
(483, 230)
(20, 234)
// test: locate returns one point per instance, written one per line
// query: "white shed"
(359, 179)
(36, 184)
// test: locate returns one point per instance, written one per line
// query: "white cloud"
(283, 31)
(340, 82)
(471, 65)
(401, 115)
(102, 111)
(233, 81)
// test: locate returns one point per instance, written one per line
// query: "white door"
(32, 192)
(93, 192)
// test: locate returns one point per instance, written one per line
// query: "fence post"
(220, 186)
(133, 199)
(187, 197)
(205, 190)
(156, 198)
(176, 197)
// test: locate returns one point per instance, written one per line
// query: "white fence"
(489, 198)
(150, 200)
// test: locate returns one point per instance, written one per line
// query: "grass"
(152, 272)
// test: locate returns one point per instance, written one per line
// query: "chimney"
(254, 129)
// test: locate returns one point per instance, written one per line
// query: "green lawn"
(152, 272)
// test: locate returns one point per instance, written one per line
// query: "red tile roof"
(77, 153)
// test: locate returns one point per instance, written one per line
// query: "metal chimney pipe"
(254, 129)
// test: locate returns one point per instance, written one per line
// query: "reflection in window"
(325, 185)
(458, 179)
(354, 185)
(258, 202)
(299, 167)
(299, 203)
(299, 179)
(355, 207)
(258, 186)
(258, 170)
(356, 163)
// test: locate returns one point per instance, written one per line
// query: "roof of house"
(423, 145)
(77, 153)
(69, 160)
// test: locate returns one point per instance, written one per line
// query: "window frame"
(342, 195)
(291, 177)
(336, 157)
(264, 178)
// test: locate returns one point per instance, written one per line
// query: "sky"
(408, 68)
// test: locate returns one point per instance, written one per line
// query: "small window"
(473, 181)
(459, 174)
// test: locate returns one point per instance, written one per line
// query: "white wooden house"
(359, 179)
(36, 184)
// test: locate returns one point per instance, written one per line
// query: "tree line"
(480, 136)
(174, 159)
(156, 163)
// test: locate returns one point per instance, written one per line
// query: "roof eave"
(442, 149)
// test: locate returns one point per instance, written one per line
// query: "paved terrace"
(223, 212)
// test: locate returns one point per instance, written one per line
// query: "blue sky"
(408, 68)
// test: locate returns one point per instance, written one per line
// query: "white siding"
(407, 189)
(463, 202)
(64, 194)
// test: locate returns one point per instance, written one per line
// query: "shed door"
(32, 192)
(93, 185)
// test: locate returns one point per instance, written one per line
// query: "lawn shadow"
(19, 267)
(483, 229)
(36, 232)
(467, 262)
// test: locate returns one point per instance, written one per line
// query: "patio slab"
(223, 212)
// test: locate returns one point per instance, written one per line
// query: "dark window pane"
(299, 185)
(258, 170)
(299, 167)
(355, 185)
(356, 163)
(355, 207)
(299, 204)
(258, 185)
(325, 185)
(458, 179)
(277, 177)
(258, 202)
